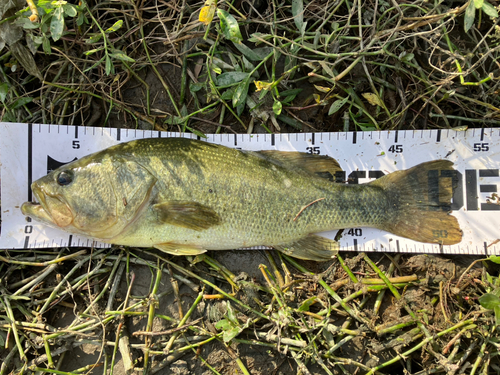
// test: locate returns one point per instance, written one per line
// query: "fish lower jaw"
(26, 207)
(36, 212)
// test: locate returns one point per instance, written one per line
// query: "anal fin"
(179, 249)
(312, 247)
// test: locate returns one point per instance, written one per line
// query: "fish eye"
(65, 178)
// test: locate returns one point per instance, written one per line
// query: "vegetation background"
(249, 66)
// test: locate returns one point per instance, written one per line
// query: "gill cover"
(123, 189)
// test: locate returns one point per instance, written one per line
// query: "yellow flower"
(207, 12)
(261, 85)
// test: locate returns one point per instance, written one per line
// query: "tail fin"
(422, 195)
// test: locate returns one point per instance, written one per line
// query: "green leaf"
(249, 53)
(263, 52)
(81, 19)
(45, 26)
(93, 39)
(175, 120)
(489, 278)
(229, 26)
(241, 92)
(92, 51)
(298, 15)
(69, 10)
(406, 57)
(33, 42)
(494, 259)
(258, 37)
(289, 95)
(9, 117)
(490, 10)
(57, 24)
(183, 110)
(327, 69)
(478, 3)
(307, 303)
(230, 331)
(109, 65)
(240, 108)
(195, 87)
(230, 78)
(223, 324)
(336, 105)
(25, 23)
(45, 20)
(20, 102)
(196, 132)
(248, 66)
(221, 64)
(489, 301)
(277, 107)
(470, 14)
(231, 315)
(117, 25)
(497, 315)
(46, 44)
(373, 99)
(290, 121)
(119, 55)
(4, 89)
(46, 5)
(262, 94)
(230, 334)
(228, 94)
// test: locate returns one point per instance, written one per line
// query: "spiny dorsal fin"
(191, 215)
(312, 247)
(319, 165)
(179, 249)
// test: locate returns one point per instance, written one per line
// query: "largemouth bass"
(185, 197)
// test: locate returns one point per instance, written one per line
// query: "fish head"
(97, 196)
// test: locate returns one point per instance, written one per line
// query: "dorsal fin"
(318, 165)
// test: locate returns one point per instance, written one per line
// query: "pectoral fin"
(179, 249)
(319, 165)
(191, 215)
(312, 247)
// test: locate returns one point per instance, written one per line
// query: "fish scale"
(260, 195)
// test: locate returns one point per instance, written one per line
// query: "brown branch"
(303, 208)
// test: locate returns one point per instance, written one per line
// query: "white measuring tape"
(30, 151)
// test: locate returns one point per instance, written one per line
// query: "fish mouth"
(50, 209)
